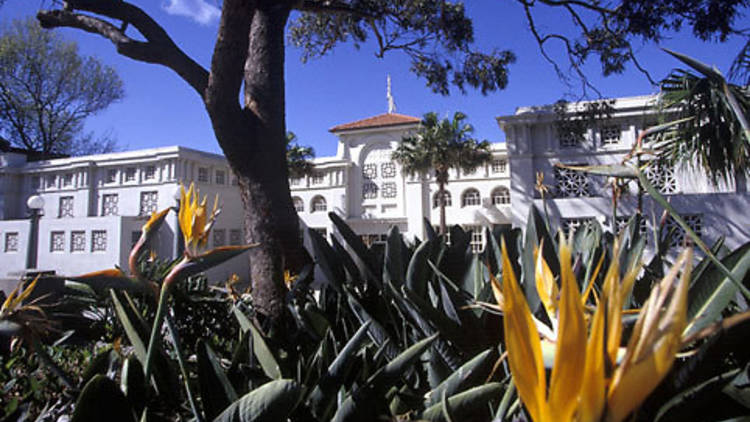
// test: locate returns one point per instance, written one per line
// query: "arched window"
(446, 199)
(299, 204)
(500, 195)
(318, 204)
(471, 197)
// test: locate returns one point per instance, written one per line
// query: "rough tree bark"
(249, 51)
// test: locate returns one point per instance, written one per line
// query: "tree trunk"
(253, 139)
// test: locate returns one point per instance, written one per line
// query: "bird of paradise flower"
(592, 378)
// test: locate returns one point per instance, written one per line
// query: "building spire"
(389, 96)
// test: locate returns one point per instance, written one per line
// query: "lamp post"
(35, 204)
(177, 244)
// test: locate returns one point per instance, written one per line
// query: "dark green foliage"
(101, 399)
(436, 35)
(419, 340)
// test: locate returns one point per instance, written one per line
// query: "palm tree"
(442, 145)
(298, 158)
(716, 134)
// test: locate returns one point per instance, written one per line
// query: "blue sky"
(159, 109)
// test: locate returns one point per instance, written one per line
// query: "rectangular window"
(611, 135)
(574, 224)
(98, 241)
(389, 190)
(570, 139)
(149, 203)
(295, 181)
(36, 182)
(78, 241)
(149, 173)
(220, 177)
(499, 166)
(235, 237)
(678, 236)
(111, 176)
(388, 170)
(370, 171)
(50, 181)
(662, 177)
(68, 179)
(130, 174)
(202, 174)
(109, 204)
(220, 237)
(369, 190)
(11, 242)
(66, 207)
(374, 239)
(571, 183)
(57, 242)
(476, 236)
(235, 181)
(318, 178)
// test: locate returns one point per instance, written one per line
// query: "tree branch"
(328, 6)
(228, 60)
(159, 47)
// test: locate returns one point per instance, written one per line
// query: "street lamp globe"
(35, 202)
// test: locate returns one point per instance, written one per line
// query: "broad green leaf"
(355, 243)
(393, 266)
(323, 395)
(132, 331)
(101, 281)
(260, 348)
(377, 333)
(271, 402)
(471, 373)
(133, 383)
(102, 400)
(467, 405)
(327, 260)
(537, 236)
(98, 365)
(216, 391)
(710, 294)
(418, 270)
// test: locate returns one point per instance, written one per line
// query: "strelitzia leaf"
(713, 291)
(260, 348)
(216, 391)
(419, 270)
(271, 402)
(468, 374)
(101, 281)
(196, 264)
(323, 396)
(102, 400)
(467, 405)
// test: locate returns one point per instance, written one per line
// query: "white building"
(94, 206)
(535, 146)
(372, 193)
